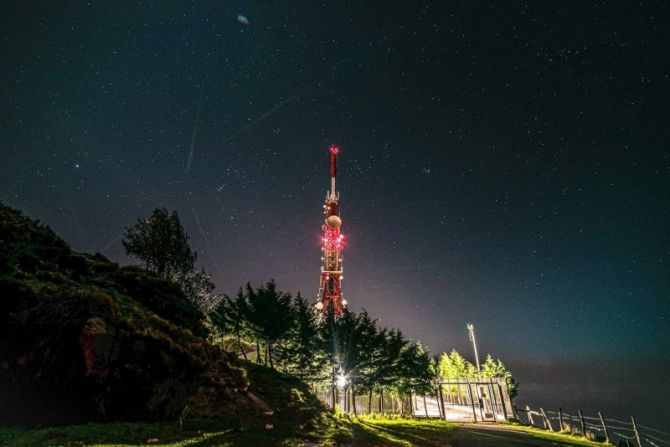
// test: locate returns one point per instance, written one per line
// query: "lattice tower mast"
(332, 243)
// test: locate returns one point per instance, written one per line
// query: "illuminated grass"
(556, 436)
(401, 432)
(364, 431)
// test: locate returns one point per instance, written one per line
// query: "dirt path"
(470, 435)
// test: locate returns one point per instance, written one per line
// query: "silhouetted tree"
(268, 314)
(198, 287)
(302, 352)
(161, 242)
(229, 319)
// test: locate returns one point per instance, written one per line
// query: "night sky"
(504, 164)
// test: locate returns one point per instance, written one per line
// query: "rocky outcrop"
(84, 339)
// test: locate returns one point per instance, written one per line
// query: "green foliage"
(453, 366)
(290, 336)
(496, 369)
(268, 315)
(302, 354)
(372, 430)
(415, 371)
(358, 432)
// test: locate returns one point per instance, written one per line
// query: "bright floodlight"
(319, 305)
(341, 380)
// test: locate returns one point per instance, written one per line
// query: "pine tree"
(496, 369)
(267, 312)
(302, 353)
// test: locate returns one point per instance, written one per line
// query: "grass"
(362, 431)
(562, 436)
(359, 432)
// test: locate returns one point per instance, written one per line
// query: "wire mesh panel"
(476, 400)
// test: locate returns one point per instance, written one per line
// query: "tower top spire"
(334, 150)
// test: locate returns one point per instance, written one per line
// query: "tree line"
(265, 325)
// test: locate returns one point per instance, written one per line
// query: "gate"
(477, 400)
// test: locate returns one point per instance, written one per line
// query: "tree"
(496, 369)
(416, 375)
(268, 314)
(198, 287)
(161, 242)
(302, 353)
(454, 366)
(229, 318)
(369, 345)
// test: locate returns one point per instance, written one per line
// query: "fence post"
(472, 401)
(502, 399)
(581, 421)
(492, 392)
(441, 396)
(560, 419)
(637, 433)
(602, 421)
(546, 419)
(530, 416)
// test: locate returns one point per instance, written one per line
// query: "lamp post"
(471, 335)
(341, 381)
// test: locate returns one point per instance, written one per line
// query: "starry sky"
(502, 163)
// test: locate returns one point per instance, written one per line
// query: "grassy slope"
(361, 431)
(358, 432)
(555, 436)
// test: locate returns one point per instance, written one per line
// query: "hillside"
(83, 339)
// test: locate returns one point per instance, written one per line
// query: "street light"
(471, 335)
(341, 380)
(480, 391)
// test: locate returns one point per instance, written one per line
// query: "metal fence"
(461, 400)
(598, 428)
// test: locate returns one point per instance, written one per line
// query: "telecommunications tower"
(332, 242)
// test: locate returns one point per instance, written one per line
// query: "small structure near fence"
(460, 400)
(599, 428)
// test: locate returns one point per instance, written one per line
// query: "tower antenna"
(332, 243)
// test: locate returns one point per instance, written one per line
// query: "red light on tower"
(332, 242)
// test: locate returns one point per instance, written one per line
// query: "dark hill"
(84, 339)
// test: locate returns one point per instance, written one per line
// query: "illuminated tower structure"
(332, 243)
